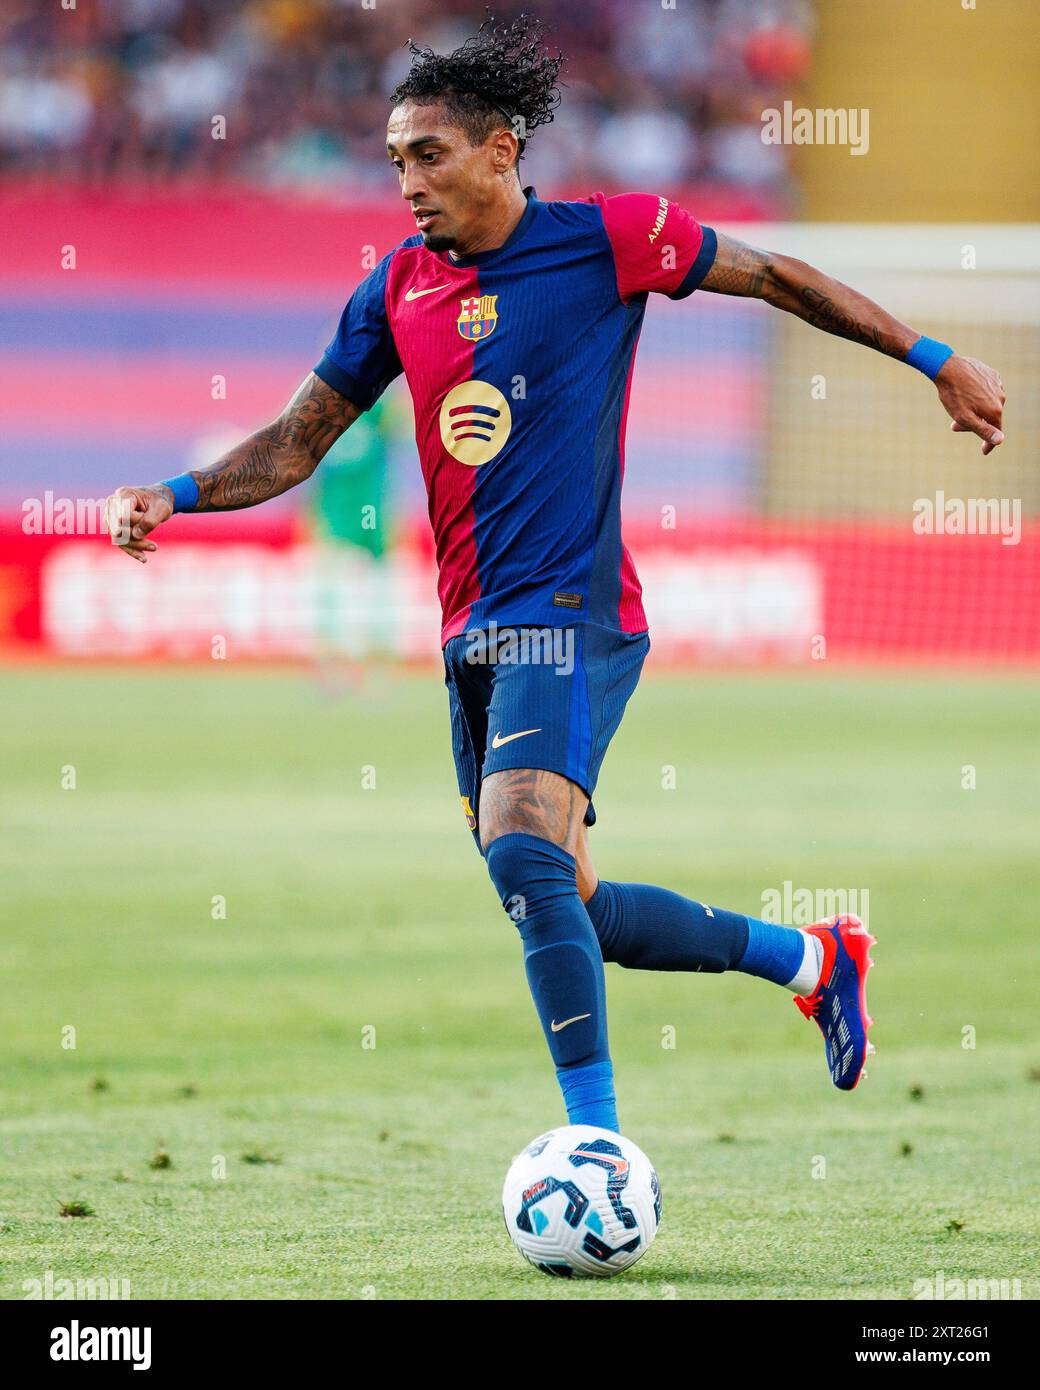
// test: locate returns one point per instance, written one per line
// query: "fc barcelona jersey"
(519, 362)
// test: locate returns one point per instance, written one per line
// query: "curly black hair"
(503, 70)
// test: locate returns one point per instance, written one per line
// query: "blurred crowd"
(655, 95)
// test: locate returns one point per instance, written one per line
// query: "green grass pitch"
(301, 1163)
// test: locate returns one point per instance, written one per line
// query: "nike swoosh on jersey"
(498, 740)
(559, 1027)
(418, 294)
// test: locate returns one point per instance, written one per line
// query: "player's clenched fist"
(132, 513)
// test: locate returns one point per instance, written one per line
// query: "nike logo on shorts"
(499, 740)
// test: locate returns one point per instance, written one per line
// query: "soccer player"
(515, 324)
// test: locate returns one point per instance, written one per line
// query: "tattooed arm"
(276, 458)
(971, 393)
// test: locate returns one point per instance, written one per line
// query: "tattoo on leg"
(532, 801)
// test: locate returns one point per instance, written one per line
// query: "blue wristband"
(928, 355)
(185, 491)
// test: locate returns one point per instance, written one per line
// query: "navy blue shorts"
(551, 698)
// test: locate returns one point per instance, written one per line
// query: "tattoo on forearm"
(279, 456)
(744, 270)
(822, 312)
(245, 476)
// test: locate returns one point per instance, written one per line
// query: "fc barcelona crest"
(478, 317)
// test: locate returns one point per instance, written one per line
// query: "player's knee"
(530, 801)
(500, 817)
(504, 863)
(528, 873)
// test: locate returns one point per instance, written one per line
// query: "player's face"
(449, 183)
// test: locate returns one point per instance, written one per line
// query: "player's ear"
(504, 148)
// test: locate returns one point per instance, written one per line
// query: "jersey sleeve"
(361, 361)
(657, 245)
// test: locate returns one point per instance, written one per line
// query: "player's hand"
(132, 513)
(973, 394)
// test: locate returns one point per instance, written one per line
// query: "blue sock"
(588, 1093)
(537, 883)
(646, 928)
(773, 952)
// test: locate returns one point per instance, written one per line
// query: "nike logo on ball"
(498, 740)
(619, 1165)
(418, 294)
(559, 1027)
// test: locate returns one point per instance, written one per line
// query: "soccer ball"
(581, 1201)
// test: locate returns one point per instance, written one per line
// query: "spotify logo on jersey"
(475, 422)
